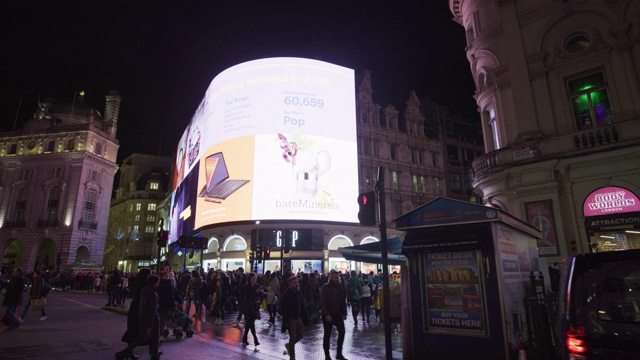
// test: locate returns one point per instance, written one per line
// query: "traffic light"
(367, 213)
(259, 253)
(162, 238)
(267, 254)
(251, 257)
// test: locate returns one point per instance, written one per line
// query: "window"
(590, 101)
(455, 181)
(58, 172)
(53, 203)
(130, 207)
(26, 174)
(151, 207)
(21, 205)
(94, 175)
(366, 146)
(136, 217)
(136, 228)
(151, 218)
(149, 229)
(383, 121)
(138, 206)
(393, 151)
(154, 185)
(397, 208)
(98, 149)
(376, 150)
(414, 182)
(577, 42)
(423, 184)
(495, 131)
(89, 205)
(434, 159)
(13, 148)
(51, 145)
(71, 144)
(395, 183)
(367, 175)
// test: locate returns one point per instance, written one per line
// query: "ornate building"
(558, 91)
(56, 177)
(133, 217)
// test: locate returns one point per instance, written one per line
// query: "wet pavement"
(364, 341)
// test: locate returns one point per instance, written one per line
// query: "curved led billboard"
(272, 139)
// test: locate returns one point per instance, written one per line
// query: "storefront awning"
(371, 252)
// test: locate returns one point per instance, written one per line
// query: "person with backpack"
(354, 294)
(367, 300)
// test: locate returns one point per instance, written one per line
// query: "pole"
(386, 314)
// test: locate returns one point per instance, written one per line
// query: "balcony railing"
(48, 223)
(83, 224)
(15, 224)
(543, 148)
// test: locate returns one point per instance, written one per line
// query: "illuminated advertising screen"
(272, 139)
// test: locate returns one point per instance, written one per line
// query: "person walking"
(13, 298)
(354, 294)
(193, 294)
(272, 296)
(133, 328)
(168, 299)
(39, 290)
(221, 296)
(367, 300)
(240, 286)
(148, 321)
(294, 315)
(252, 297)
(334, 313)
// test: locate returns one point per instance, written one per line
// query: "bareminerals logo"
(307, 204)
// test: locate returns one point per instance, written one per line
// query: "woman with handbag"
(252, 297)
(37, 296)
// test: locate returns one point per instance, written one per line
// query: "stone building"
(56, 178)
(144, 183)
(557, 85)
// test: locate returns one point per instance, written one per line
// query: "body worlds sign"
(610, 200)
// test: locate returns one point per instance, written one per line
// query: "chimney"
(111, 111)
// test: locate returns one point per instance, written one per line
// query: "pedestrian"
(367, 300)
(221, 296)
(193, 293)
(113, 287)
(183, 283)
(148, 322)
(168, 299)
(96, 283)
(240, 286)
(252, 297)
(132, 315)
(294, 315)
(334, 312)
(39, 290)
(272, 296)
(354, 294)
(13, 298)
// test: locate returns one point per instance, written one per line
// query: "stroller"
(180, 322)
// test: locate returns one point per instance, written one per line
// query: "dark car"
(599, 314)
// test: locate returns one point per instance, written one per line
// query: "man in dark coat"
(13, 298)
(148, 321)
(334, 312)
(114, 286)
(294, 315)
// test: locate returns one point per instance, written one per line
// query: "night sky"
(162, 55)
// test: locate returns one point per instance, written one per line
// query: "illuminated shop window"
(590, 101)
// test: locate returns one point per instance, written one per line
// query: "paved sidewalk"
(364, 342)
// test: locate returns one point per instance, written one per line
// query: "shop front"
(612, 219)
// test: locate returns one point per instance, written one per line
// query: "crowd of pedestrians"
(299, 299)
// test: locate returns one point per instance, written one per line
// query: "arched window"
(53, 204)
(368, 239)
(212, 246)
(338, 242)
(235, 243)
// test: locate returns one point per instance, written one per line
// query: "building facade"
(557, 87)
(131, 241)
(56, 178)
(411, 145)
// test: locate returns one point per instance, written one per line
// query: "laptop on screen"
(218, 185)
